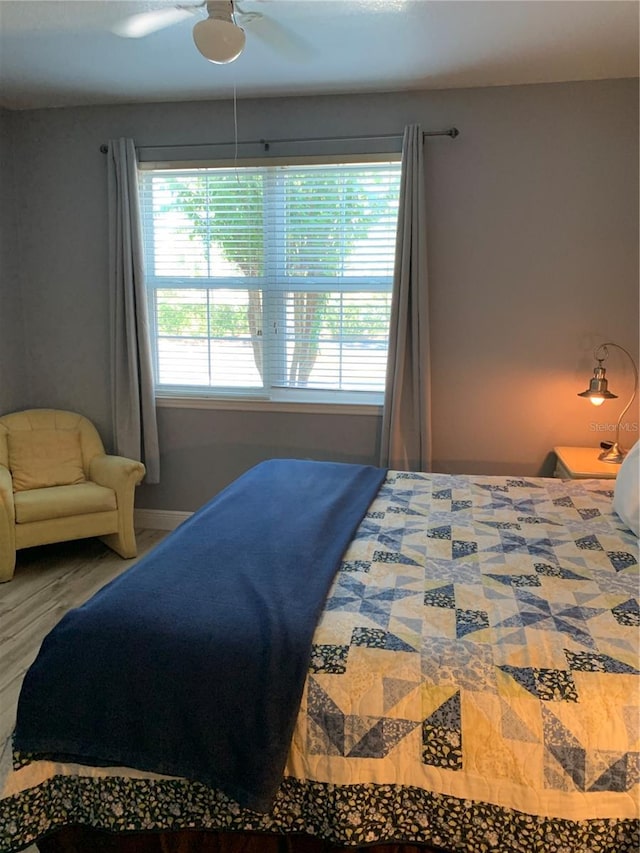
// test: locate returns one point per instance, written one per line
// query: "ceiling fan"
(219, 37)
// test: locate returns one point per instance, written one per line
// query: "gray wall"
(12, 352)
(533, 257)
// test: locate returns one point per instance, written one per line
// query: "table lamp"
(598, 392)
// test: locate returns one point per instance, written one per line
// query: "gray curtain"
(133, 402)
(406, 421)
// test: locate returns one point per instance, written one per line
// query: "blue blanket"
(192, 663)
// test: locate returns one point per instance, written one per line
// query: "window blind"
(271, 281)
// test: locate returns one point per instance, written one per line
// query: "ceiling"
(64, 52)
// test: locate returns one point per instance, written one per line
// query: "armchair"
(57, 483)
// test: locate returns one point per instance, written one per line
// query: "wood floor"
(48, 581)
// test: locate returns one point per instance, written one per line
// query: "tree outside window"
(293, 262)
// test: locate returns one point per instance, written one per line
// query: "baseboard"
(159, 519)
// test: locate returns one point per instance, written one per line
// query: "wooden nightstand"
(582, 463)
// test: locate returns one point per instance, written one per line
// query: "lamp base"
(615, 454)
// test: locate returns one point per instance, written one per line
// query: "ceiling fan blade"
(145, 23)
(280, 38)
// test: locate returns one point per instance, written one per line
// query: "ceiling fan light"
(219, 41)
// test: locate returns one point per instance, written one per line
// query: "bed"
(471, 685)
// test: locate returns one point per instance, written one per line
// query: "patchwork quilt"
(474, 684)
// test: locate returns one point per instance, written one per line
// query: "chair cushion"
(61, 501)
(39, 458)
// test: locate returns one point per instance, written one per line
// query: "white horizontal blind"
(271, 281)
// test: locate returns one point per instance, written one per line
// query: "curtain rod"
(452, 132)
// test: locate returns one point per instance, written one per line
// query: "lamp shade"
(219, 41)
(598, 391)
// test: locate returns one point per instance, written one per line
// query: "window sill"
(239, 405)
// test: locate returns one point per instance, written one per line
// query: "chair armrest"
(122, 475)
(7, 526)
(6, 494)
(115, 472)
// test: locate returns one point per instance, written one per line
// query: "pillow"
(626, 496)
(45, 457)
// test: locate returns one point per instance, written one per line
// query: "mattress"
(473, 685)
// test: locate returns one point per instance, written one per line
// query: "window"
(271, 282)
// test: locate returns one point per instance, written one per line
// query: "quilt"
(473, 684)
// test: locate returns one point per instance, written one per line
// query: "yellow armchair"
(57, 483)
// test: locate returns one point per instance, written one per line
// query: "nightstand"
(582, 463)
